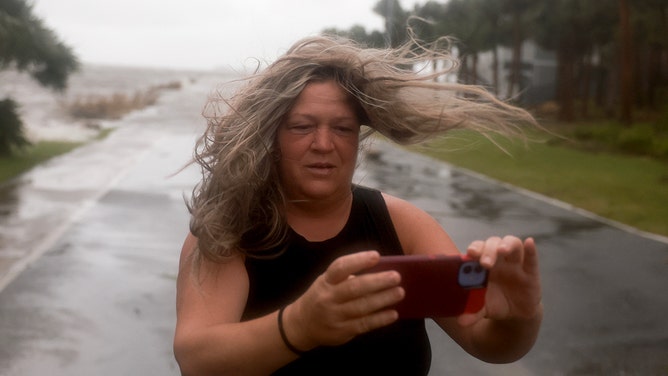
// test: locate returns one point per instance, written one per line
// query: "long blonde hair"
(238, 206)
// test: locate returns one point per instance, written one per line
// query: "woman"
(269, 283)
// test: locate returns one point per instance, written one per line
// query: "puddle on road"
(442, 190)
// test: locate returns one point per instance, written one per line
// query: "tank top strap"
(380, 216)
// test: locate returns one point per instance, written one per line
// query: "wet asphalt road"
(91, 241)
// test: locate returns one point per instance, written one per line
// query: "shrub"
(11, 128)
(638, 139)
(111, 107)
(660, 148)
(602, 133)
(115, 106)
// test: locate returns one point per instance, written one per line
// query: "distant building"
(539, 72)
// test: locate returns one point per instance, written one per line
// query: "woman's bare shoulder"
(214, 291)
(418, 231)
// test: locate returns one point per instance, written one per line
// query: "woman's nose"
(322, 139)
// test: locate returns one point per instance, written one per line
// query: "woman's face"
(318, 141)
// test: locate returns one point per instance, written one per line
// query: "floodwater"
(90, 242)
(44, 111)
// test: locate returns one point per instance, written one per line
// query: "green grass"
(23, 160)
(631, 190)
(31, 156)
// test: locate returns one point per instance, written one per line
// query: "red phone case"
(432, 285)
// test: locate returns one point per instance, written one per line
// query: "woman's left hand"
(513, 288)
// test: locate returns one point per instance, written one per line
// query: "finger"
(374, 321)
(474, 249)
(530, 256)
(489, 255)
(343, 267)
(370, 303)
(511, 249)
(365, 284)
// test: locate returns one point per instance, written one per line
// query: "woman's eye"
(345, 129)
(300, 128)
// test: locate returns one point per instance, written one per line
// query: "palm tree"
(395, 21)
(517, 18)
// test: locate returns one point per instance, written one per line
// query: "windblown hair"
(239, 206)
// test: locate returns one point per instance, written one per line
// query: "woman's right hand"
(340, 305)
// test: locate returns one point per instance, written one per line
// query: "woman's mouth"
(320, 168)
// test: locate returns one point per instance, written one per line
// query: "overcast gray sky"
(197, 34)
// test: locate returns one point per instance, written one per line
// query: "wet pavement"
(90, 245)
(604, 287)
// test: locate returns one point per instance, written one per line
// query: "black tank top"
(399, 349)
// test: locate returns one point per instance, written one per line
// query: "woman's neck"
(319, 220)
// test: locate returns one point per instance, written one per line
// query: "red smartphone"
(437, 285)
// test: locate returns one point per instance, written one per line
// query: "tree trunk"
(495, 69)
(586, 84)
(464, 70)
(565, 81)
(654, 75)
(474, 69)
(626, 64)
(516, 62)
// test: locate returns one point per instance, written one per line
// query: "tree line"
(27, 45)
(612, 54)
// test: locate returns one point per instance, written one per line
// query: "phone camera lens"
(471, 275)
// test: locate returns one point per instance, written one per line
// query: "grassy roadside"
(31, 156)
(39, 152)
(627, 189)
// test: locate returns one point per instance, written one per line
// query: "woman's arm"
(210, 339)
(507, 326)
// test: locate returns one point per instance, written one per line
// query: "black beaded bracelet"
(283, 336)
